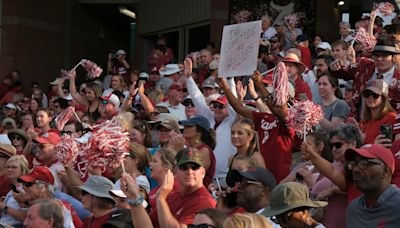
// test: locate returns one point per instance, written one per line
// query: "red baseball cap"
(40, 173)
(372, 151)
(48, 137)
(221, 99)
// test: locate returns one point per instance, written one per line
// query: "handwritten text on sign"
(239, 49)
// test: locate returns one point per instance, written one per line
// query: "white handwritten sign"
(239, 49)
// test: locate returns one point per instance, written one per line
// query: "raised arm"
(235, 103)
(140, 217)
(197, 96)
(278, 111)
(72, 89)
(324, 166)
(259, 103)
(125, 107)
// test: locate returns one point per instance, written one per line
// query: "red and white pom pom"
(365, 38)
(108, 145)
(67, 150)
(385, 8)
(304, 115)
(281, 85)
(64, 117)
(93, 70)
(292, 19)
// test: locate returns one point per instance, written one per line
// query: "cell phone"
(14, 188)
(386, 130)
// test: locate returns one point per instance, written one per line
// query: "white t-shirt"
(270, 32)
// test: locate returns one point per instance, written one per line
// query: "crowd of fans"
(207, 151)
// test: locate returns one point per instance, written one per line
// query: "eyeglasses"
(28, 184)
(67, 132)
(203, 225)
(189, 166)
(367, 94)
(15, 137)
(364, 163)
(336, 145)
(188, 103)
(218, 106)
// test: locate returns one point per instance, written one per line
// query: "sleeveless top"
(211, 170)
(94, 115)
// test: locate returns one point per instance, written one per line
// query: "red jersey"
(301, 88)
(91, 222)
(276, 143)
(396, 154)
(184, 208)
(372, 128)
(305, 56)
(5, 186)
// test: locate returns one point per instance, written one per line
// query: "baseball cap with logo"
(209, 83)
(221, 99)
(187, 155)
(48, 138)
(255, 174)
(378, 86)
(112, 98)
(39, 173)
(372, 151)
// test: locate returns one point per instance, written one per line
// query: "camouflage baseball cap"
(187, 155)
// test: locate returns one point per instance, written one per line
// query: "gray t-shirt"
(383, 213)
(338, 108)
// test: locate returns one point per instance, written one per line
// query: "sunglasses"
(336, 145)
(188, 103)
(189, 166)
(203, 225)
(15, 137)
(364, 163)
(217, 106)
(67, 132)
(367, 94)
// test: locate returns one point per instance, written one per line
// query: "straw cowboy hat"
(293, 58)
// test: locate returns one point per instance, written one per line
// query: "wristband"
(136, 202)
(268, 97)
(257, 98)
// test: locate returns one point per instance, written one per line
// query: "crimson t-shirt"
(184, 208)
(276, 143)
(372, 128)
(96, 222)
(301, 88)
